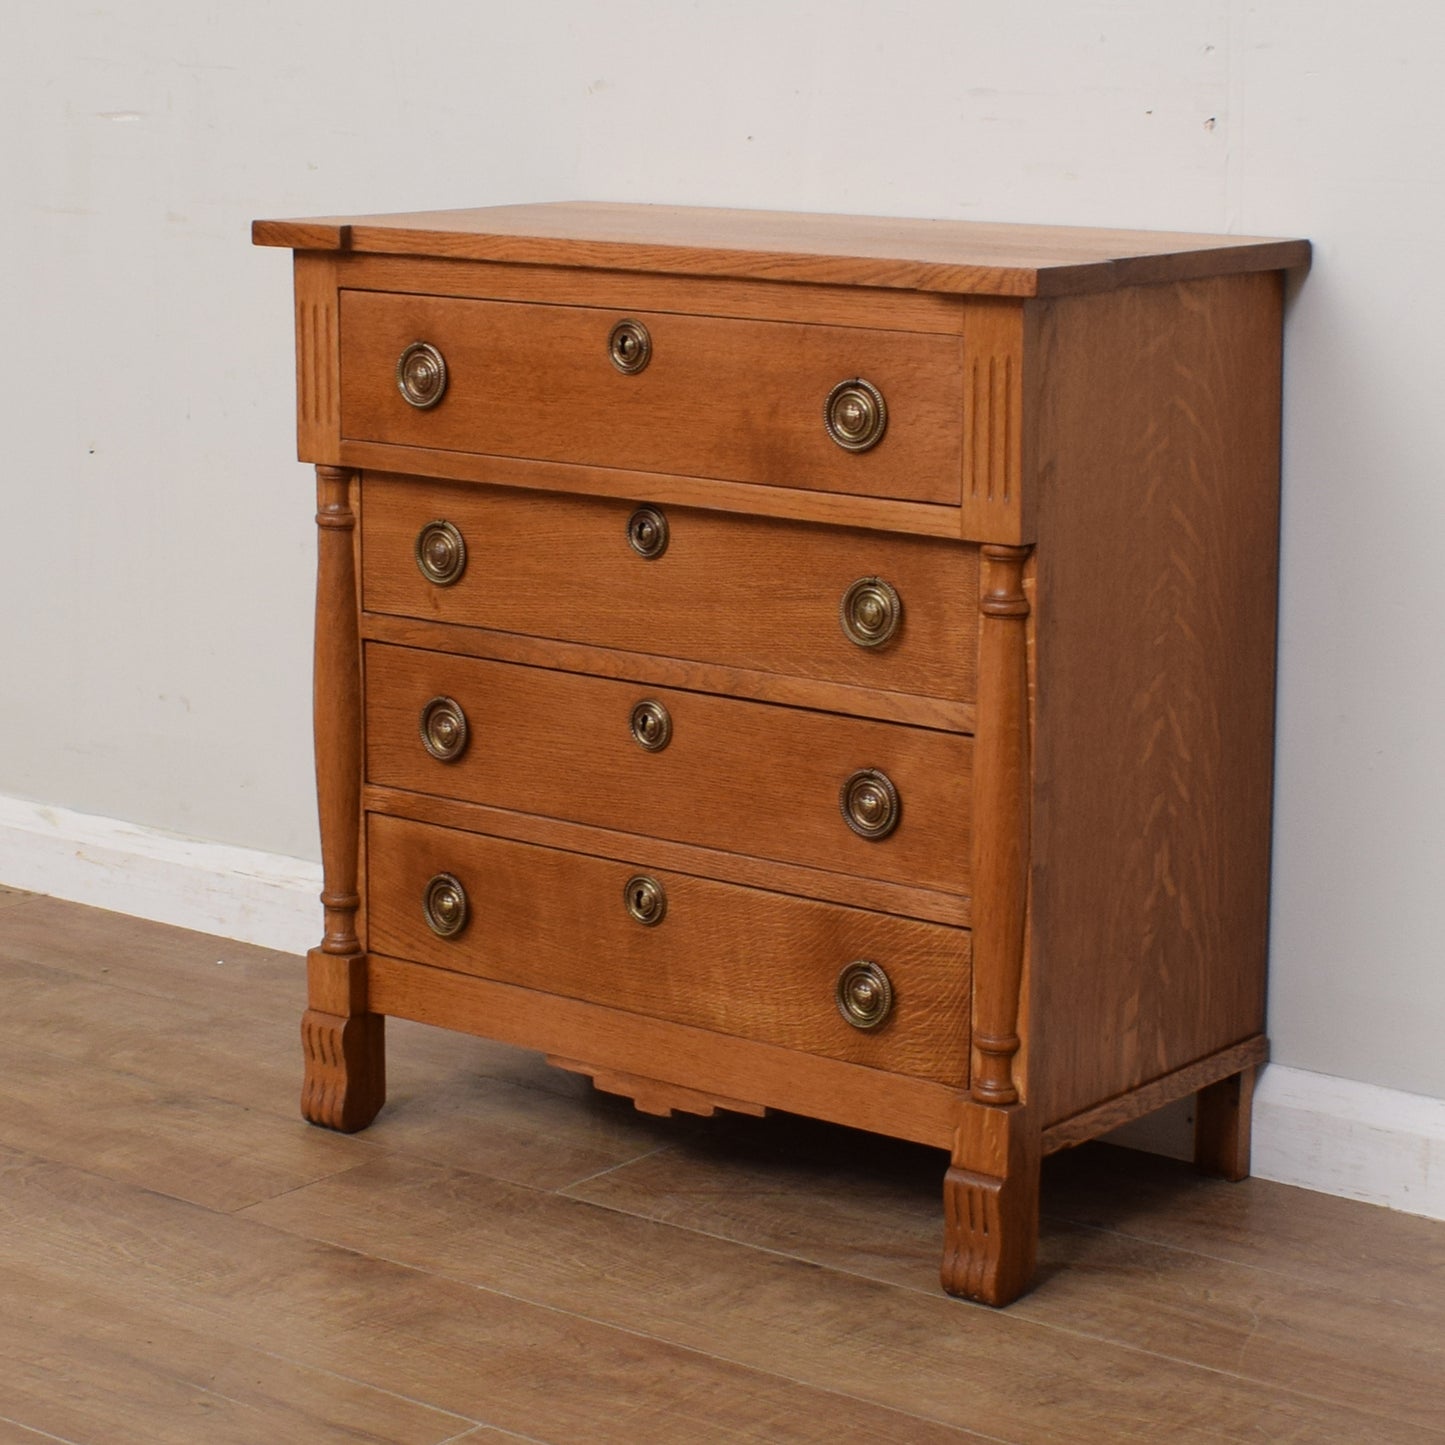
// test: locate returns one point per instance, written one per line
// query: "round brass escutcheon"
(647, 532)
(629, 346)
(864, 994)
(444, 902)
(870, 612)
(645, 900)
(651, 725)
(869, 803)
(856, 415)
(441, 553)
(421, 375)
(444, 729)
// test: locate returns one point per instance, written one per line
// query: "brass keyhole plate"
(651, 725)
(645, 899)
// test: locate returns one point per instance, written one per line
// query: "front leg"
(344, 1046)
(991, 1206)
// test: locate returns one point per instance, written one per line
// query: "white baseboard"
(261, 898)
(1335, 1136)
(1339, 1136)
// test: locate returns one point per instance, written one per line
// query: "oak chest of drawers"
(800, 662)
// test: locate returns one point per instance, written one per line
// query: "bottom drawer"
(736, 960)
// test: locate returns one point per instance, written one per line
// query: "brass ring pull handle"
(869, 803)
(629, 347)
(864, 994)
(444, 904)
(855, 415)
(647, 532)
(645, 899)
(444, 729)
(651, 725)
(870, 612)
(441, 553)
(421, 375)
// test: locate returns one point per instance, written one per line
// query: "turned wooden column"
(343, 1043)
(1000, 823)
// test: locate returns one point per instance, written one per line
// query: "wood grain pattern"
(1193, 1078)
(1156, 667)
(559, 745)
(688, 968)
(740, 400)
(736, 592)
(970, 257)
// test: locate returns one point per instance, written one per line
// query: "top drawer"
(718, 397)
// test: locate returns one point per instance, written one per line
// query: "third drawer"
(744, 777)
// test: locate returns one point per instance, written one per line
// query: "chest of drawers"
(800, 662)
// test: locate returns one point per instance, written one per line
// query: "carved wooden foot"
(991, 1220)
(345, 1082)
(1222, 1118)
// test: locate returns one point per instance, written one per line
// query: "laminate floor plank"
(797, 1187)
(182, 1143)
(1330, 1242)
(8, 897)
(544, 1373)
(998, 1372)
(441, 1105)
(126, 1376)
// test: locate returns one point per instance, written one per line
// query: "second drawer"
(745, 777)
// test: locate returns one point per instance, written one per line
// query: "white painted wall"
(156, 538)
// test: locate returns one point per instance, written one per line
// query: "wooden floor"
(508, 1255)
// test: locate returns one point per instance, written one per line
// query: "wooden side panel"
(1158, 463)
(727, 959)
(318, 359)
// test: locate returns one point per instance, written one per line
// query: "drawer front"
(746, 777)
(547, 919)
(719, 397)
(739, 591)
